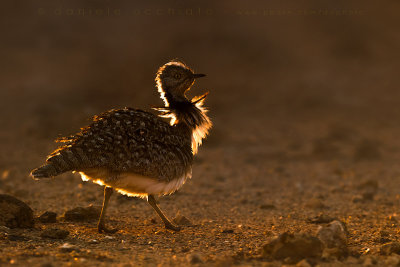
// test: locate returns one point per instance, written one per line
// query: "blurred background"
(304, 97)
(288, 81)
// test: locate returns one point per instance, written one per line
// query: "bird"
(135, 152)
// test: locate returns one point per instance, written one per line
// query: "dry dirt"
(306, 122)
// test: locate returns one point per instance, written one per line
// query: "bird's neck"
(173, 99)
(189, 114)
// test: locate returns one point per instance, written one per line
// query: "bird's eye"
(177, 76)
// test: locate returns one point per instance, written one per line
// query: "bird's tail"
(45, 171)
(59, 162)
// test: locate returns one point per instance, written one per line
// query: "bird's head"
(174, 79)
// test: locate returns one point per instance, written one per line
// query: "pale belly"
(131, 184)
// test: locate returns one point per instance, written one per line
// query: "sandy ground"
(305, 112)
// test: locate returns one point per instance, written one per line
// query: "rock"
(264, 264)
(227, 231)
(390, 248)
(83, 214)
(15, 237)
(48, 217)
(393, 260)
(108, 237)
(334, 253)
(364, 197)
(315, 203)
(4, 229)
(182, 220)
(322, 218)
(368, 196)
(303, 263)
(14, 213)
(195, 258)
(66, 247)
(54, 233)
(226, 261)
(334, 234)
(334, 238)
(369, 261)
(294, 247)
(267, 207)
(357, 199)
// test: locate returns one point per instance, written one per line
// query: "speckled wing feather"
(127, 140)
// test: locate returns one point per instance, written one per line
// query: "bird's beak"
(198, 75)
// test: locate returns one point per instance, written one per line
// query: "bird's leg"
(101, 226)
(168, 224)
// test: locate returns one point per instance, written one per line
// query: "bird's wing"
(130, 140)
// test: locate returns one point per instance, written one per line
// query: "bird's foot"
(104, 229)
(172, 227)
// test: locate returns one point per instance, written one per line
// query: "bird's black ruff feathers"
(192, 113)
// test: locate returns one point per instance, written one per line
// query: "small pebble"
(393, 260)
(185, 249)
(4, 229)
(83, 214)
(267, 207)
(315, 203)
(14, 237)
(303, 263)
(48, 217)
(322, 218)
(369, 185)
(66, 247)
(194, 258)
(389, 248)
(54, 233)
(107, 237)
(369, 261)
(357, 199)
(368, 196)
(293, 247)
